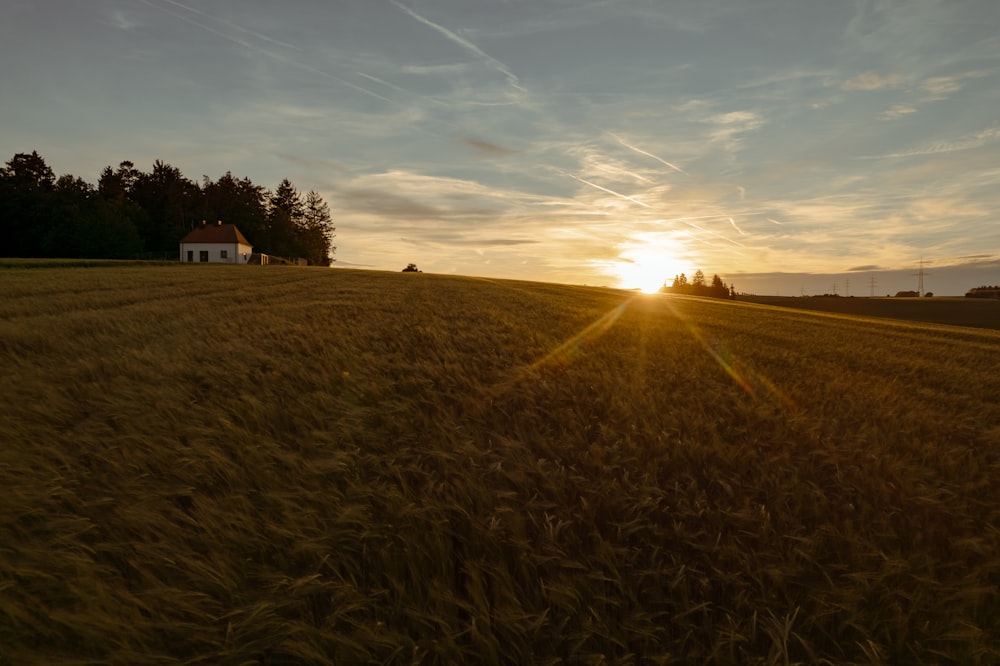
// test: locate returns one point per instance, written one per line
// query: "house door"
(203, 256)
(190, 255)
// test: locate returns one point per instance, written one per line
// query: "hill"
(953, 311)
(227, 465)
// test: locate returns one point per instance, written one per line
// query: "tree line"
(132, 213)
(697, 286)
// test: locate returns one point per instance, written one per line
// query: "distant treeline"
(984, 292)
(697, 286)
(131, 213)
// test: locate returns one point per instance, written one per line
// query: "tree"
(317, 230)
(88, 225)
(30, 172)
(171, 204)
(238, 202)
(286, 212)
(119, 185)
(412, 268)
(26, 186)
(718, 288)
(698, 282)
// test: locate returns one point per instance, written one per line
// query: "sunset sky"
(602, 142)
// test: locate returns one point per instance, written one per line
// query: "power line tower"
(920, 278)
(847, 286)
(871, 285)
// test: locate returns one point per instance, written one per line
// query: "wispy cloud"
(234, 26)
(123, 20)
(898, 111)
(455, 38)
(873, 81)
(967, 142)
(250, 45)
(729, 128)
(487, 148)
(942, 87)
(624, 197)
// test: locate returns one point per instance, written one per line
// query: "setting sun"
(647, 263)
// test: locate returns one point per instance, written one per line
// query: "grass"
(232, 465)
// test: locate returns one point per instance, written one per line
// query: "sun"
(646, 267)
(646, 277)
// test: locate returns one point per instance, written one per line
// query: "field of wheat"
(238, 465)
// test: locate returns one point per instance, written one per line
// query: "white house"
(216, 243)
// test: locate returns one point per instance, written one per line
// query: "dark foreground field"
(237, 465)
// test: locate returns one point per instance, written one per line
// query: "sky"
(790, 146)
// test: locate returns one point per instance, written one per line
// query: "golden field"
(239, 465)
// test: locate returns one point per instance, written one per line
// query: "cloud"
(730, 126)
(448, 69)
(650, 155)
(898, 111)
(487, 148)
(123, 20)
(250, 40)
(230, 24)
(868, 267)
(460, 240)
(383, 203)
(311, 163)
(464, 43)
(873, 81)
(967, 142)
(624, 197)
(941, 87)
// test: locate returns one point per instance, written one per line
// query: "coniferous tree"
(171, 204)
(698, 283)
(26, 185)
(285, 217)
(318, 230)
(718, 288)
(88, 225)
(238, 202)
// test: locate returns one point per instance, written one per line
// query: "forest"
(697, 286)
(135, 214)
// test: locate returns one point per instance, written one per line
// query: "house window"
(190, 255)
(203, 255)
(223, 254)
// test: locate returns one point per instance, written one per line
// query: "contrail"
(733, 222)
(643, 152)
(253, 47)
(604, 189)
(775, 221)
(708, 231)
(233, 25)
(464, 43)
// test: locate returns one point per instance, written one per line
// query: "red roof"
(216, 233)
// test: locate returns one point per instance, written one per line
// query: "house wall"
(237, 252)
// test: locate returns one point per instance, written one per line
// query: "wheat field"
(247, 465)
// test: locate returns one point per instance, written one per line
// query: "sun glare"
(646, 267)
